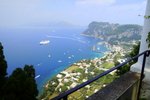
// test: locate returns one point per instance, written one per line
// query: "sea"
(66, 46)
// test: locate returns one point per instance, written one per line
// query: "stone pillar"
(144, 46)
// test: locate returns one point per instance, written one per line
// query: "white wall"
(144, 46)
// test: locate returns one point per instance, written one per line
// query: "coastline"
(82, 71)
(78, 73)
(92, 36)
(63, 68)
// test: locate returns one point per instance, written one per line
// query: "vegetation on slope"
(114, 32)
(126, 68)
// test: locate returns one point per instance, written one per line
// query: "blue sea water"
(67, 46)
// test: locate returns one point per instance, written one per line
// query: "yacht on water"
(49, 56)
(44, 42)
(37, 76)
(59, 61)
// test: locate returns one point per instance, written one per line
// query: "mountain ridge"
(113, 32)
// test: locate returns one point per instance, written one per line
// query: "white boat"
(69, 57)
(44, 42)
(39, 64)
(59, 61)
(37, 76)
(49, 56)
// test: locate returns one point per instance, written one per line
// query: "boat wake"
(67, 38)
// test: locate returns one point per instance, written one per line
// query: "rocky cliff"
(114, 32)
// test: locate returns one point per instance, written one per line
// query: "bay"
(67, 46)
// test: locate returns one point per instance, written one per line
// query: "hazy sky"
(78, 12)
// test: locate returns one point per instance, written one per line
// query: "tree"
(29, 71)
(123, 69)
(21, 85)
(126, 67)
(148, 39)
(30, 82)
(135, 51)
(3, 64)
(14, 86)
(3, 69)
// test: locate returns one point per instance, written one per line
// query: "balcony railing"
(145, 54)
